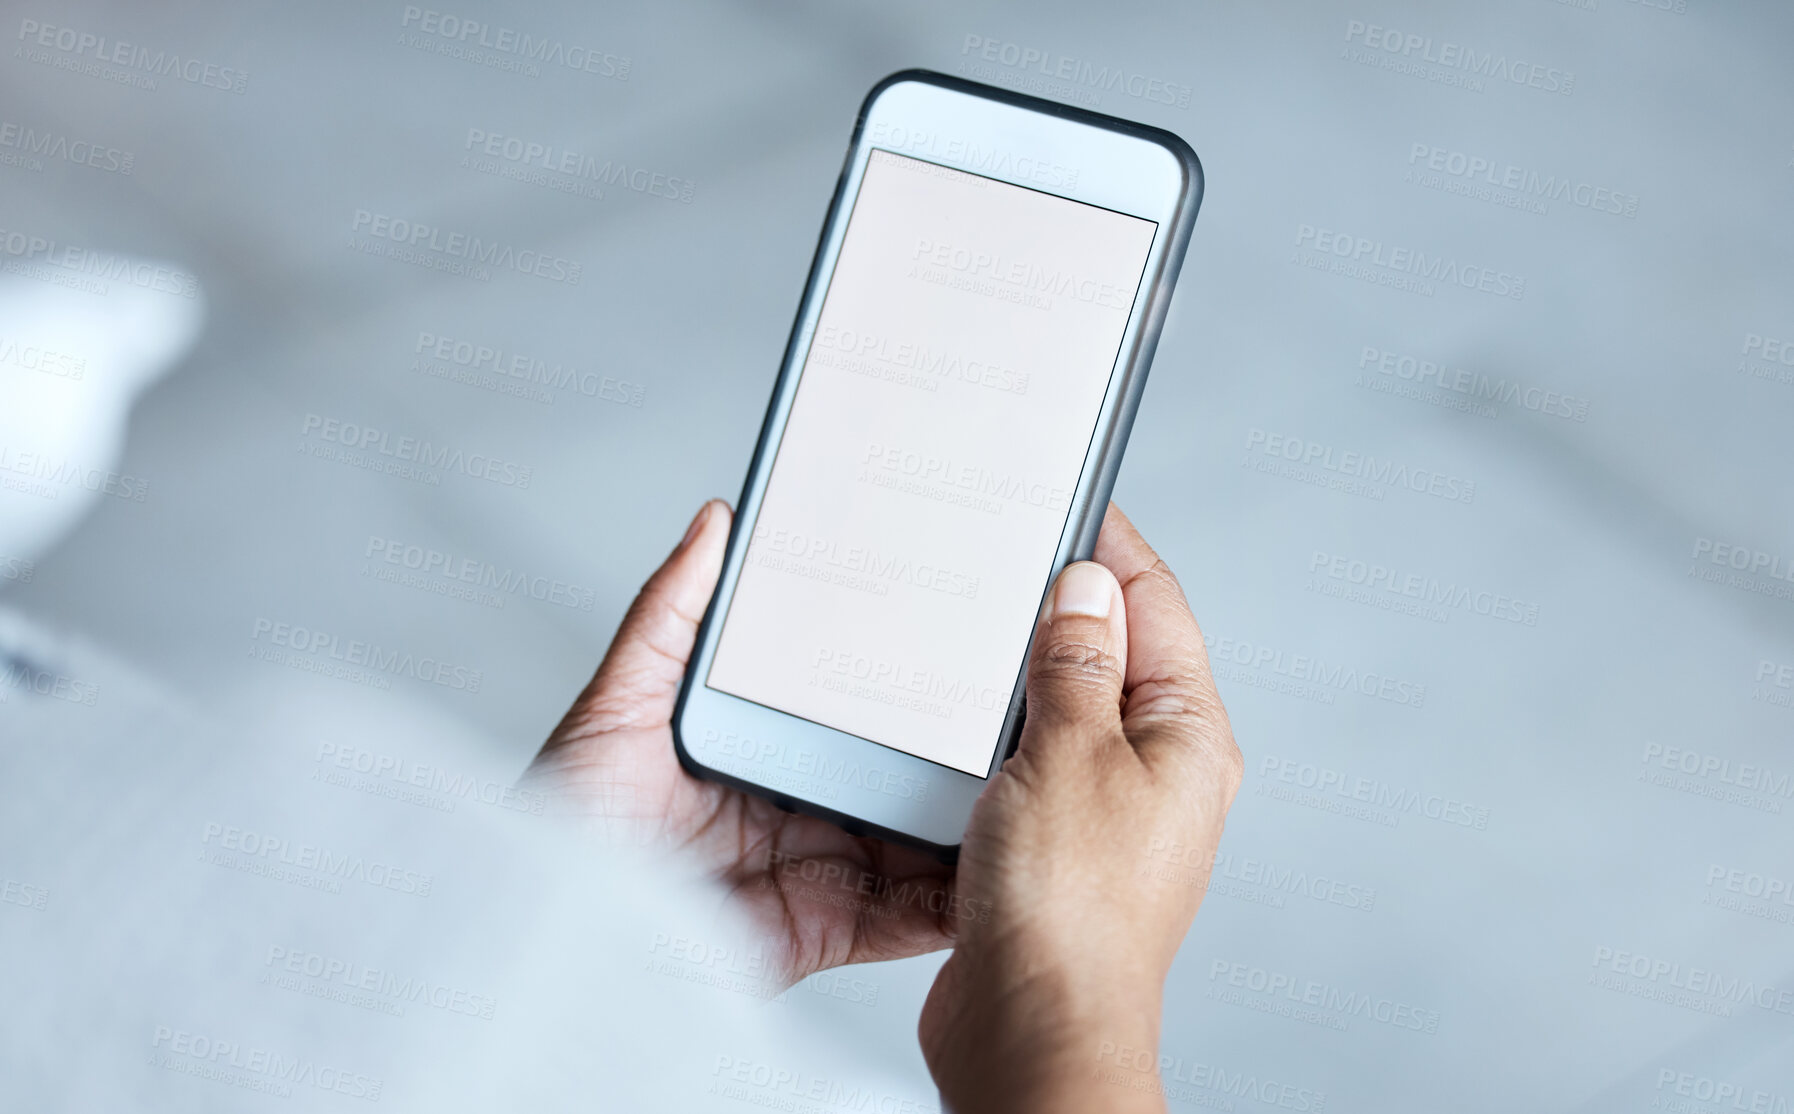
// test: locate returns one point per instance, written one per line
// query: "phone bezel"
(1121, 165)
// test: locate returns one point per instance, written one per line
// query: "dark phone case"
(1087, 516)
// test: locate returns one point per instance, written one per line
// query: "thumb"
(1080, 654)
(638, 682)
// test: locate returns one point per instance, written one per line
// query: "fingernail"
(1085, 588)
(696, 524)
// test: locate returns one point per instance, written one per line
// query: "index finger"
(1169, 693)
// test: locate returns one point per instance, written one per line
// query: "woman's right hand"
(1089, 851)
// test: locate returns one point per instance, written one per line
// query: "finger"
(638, 681)
(1171, 701)
(856, 899)
(1080, 652)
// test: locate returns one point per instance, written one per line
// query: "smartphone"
(942, 439)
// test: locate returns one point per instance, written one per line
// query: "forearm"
(1042, 1049)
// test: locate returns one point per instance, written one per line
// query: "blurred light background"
(1515, 699)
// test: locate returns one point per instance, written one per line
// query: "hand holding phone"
(942, 439)
(850, 661)
(821, 897)
(1092, 849)
(1083, 866)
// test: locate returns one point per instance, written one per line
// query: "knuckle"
(1219, 765)
(1207, 761)
(1176, 694)
(1233, 766)
(1224, 753)
(1159, 579)
(1161, 573)
(1079, 659)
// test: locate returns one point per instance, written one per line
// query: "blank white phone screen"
(918, 494)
